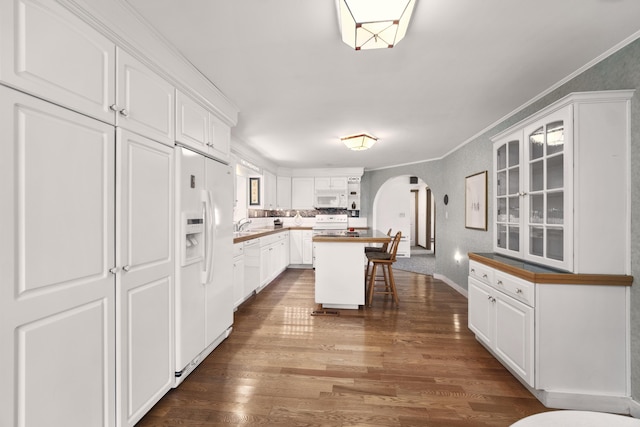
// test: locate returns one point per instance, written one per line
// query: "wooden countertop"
(254, 234)
(538, 274)
(359, 236)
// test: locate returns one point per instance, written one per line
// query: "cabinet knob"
(518, 291)
(473, 270)
(500, 282)
(124, 112)
(114, 270)
(126, 268)
(113, 107)
(484, 276)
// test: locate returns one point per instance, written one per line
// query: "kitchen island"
(340, 266)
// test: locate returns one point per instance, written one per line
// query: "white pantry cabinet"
(564, 335)
(548, 202)
(201, 129)
(89, 292)
(144, 284)
(57, 296)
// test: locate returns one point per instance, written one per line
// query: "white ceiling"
(463, 65)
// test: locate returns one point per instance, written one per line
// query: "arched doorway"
(406, 204)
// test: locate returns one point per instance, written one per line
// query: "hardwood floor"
(418, 365)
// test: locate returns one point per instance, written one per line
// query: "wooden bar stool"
(377, 249)
(382, 248)
(385, 260)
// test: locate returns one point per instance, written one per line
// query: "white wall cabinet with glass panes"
(561, 192)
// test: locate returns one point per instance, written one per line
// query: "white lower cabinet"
(564, 335)
(273, 259)
(301, 247)
(238, 274)
(504, 325)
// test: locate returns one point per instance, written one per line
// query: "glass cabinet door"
(507, 163)
(545, 187)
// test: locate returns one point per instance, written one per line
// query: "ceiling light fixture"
(374, 24)
(359, 142)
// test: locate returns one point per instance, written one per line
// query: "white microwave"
(330, 199)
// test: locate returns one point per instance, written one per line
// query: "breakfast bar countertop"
(359, 235)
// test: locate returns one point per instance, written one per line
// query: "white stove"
(338, 222)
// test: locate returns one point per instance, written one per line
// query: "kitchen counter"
(340, 267)
(540, 274)
(356, 236)
(242, 236)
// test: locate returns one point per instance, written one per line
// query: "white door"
(144, 288)
(219, 289)
(56, 249)
(145, 101)
(49, 52)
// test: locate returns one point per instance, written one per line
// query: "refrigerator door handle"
(209, 228)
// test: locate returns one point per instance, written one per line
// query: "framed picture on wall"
(475, 201)
(254, 191)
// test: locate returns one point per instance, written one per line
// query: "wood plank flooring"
(416, 365)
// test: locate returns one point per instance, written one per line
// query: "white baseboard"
(585, 402)
(634, 408)
(451, 283)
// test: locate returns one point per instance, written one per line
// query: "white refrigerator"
(204, 289)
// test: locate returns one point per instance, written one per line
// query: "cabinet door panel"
(57, 246)
(481, 311)
(514, 336)
(145, 100)
(220, 137)
(192, 124)
(49, 52)
(145, 287)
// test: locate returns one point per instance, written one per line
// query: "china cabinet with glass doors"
(561, 193)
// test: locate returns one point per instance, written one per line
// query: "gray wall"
(446, 176)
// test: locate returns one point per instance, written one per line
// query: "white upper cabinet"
(269, 190)
(550, 206)
(51, 53)
(302, 192)
(331, 183)
(200, 129)
(283, 192)
(145, 101)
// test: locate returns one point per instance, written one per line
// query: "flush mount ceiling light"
(374, 24)
(359, 142)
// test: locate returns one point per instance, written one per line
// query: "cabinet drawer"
(481, 272)
(517, 288)
(238, 249)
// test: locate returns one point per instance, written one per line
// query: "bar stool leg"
(392, 283)
(372, 280)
